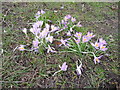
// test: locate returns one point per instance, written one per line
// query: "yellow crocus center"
(84, 39)
(102, 47)
(79, 34)
(21, 48)
(97, 59)
(96, 45)
(90, 35)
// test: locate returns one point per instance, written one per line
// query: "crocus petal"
(49, 38)
(67, 17)
(96, 59)
(35, 43)
(64, 66)
(25, 30)
(78, 24)
(21, 47)
(78, 35)
(101, 41)
(42, 12)
(96, 45)
(50, 49)
(103, 48)
(73, 19)
(68, 33)
(85, 39)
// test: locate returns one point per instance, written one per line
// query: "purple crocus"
(35, 31)
(90, 35)
(78, 35)
(45, 32)
(37, 24)
(53, 28)
(64, 42)
(96, 45)
(77, 40)
(35, 43)
(67, 17)
(79, 24)
(85, 39)
(38, 14)
(96, 59)
(101, 41)
(63, 67)
(73, 19)
(42, 12)
(103, 48)
(63, 22)
(21, 47)
(68, 33)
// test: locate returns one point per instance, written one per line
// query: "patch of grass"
(35, 70)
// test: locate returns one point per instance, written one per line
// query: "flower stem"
(56, 72)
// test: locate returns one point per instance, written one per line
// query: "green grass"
(35, 70)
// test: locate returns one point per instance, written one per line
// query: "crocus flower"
(63, 22)
(103, 48)
(101, 41)
(77, 40)
(85, 39)
(35, 43)
(96, 45)
(67, 17)
(37, 15)
(96, 59)
(64, 42)
(63, 67)
(68, 33)
(21, 48)
(37, 24)
(42, 12)
(90, 35)
(78, 24)
(73, 19)
(50, 49)
(49, 38)
(47, 26)
(78, 35)
(53, 28)
(44, 33)
(79, 68)
(35, 31)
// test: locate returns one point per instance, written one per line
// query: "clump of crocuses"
(44, 36)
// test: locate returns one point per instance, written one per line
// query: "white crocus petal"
(49, 38)
(44, 33)
(32, 30)
(68, 33)
(25, 31)
(71, 29)
(50, 49)
(78, 70)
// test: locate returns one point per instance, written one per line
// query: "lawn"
(28, 69)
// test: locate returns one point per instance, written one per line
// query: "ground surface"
(35, 70)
